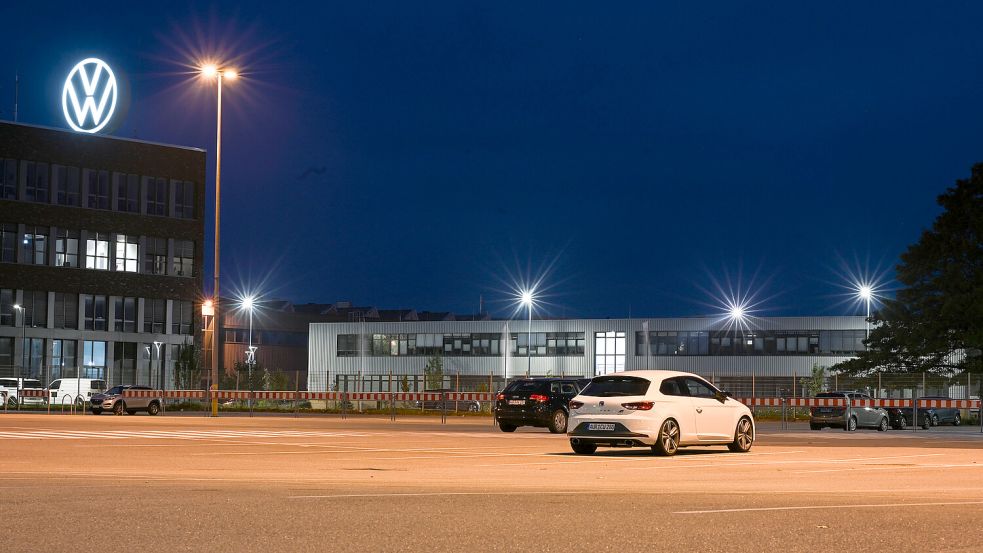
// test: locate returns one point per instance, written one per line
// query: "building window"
(95, 312)
(125, 362)
(182, 317)
(347, 345)
(34, 356)
(154, 316)
(94, 358)
(155, 256)
(36, 246)
(672, 343)
(127, 192)
(126, 253)
(609, 352)
(35, 309)
(184, 199)
(63, 356)
(97, 251)
(125, 314)
(66, 181)
(8, 179)
(8, 243)
(98, 194)
(521, 339)
(7, 352)
(184, 256)
(37, 182)
(66, 310)
(156, 196)
(6, 308)
(67, 248)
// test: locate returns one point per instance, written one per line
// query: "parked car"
(541, 402)
(848, 418)
(449, 405)
(901, 417)
(113, 400)
(947, 415)
(663, 410)
(13, 387)
(80, 390)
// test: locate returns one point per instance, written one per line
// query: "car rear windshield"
(610, 386)
(526, 387)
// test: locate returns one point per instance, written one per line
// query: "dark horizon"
(645, 161)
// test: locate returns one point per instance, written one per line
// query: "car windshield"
(830, 394)
(115, 391)
(611, 386)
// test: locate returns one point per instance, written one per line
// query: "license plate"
(517, 402)
(600, 426)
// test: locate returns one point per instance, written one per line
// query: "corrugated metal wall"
(324, 363)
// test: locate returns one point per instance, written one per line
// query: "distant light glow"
(526, 298)
(208, 309)
(209, 70)
(230, 74)
(248, 302)
(737, 312)
(866, 292)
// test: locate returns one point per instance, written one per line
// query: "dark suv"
(537, 402)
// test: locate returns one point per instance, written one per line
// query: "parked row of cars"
(881, 418)
(84, 392)
(661, 410)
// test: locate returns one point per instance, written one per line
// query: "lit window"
(97, 252)
(126, 253)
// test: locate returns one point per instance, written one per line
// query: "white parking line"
(820, 507)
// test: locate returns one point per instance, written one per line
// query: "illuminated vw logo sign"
(89, 96)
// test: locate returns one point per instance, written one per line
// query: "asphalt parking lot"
(323, 483)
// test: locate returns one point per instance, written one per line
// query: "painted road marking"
(819, 507)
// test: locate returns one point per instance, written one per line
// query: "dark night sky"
(422, 154)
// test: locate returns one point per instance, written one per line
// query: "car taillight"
(576, 405)
(638, 405)
(500, 397)
(539, 398)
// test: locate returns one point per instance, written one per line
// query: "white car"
(13, 388)
(664, 410)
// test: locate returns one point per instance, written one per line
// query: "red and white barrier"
(33, 392)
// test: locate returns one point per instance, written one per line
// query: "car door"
(681, 408)
(866, 415)
(713, 417)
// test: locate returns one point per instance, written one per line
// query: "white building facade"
(770, 353)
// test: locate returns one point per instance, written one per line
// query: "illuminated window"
(609, 352)
(126, 253)
(97, 251)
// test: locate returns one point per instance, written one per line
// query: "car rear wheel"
(851, 424)
(506, 427)
(153, 409)
(957, 420)
(558, 422)
(882, 427)
(583, 448)
(743, 436)
(935, 420)
(118, 408)
(927, 423)
(668, 441)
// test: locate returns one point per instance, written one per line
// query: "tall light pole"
(23, 324)
(160, 366)
(528, 299)
(247, 303)
(866, 293)
(212, 71)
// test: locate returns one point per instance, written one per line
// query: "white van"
(80, 390)
(11, 387)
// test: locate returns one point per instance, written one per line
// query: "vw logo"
(89, 96)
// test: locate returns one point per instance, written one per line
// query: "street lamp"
(160, 366)
(528, 299)
(248, 303)
(211, 71)
(866, 293)
(23, 324)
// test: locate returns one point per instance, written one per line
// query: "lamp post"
(23, 345)
(866, 293)
(528, 299)
(160, 366)
(210, 71)
(248, 303)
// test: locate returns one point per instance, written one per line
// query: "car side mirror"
(722, 396)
